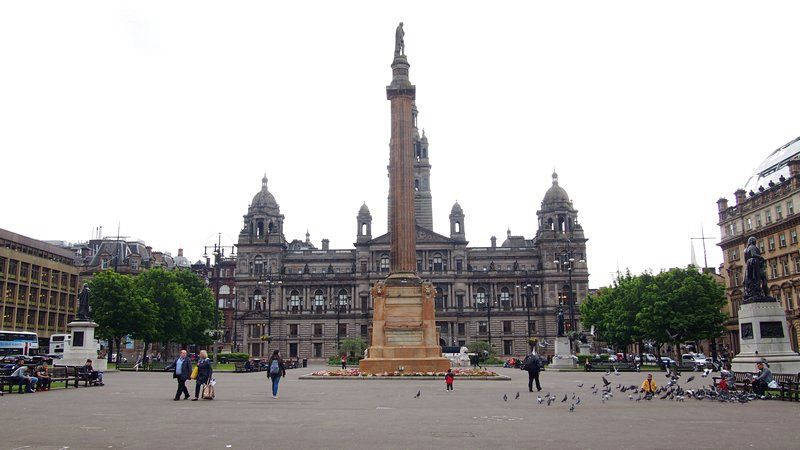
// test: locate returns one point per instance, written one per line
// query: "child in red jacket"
(448, 379)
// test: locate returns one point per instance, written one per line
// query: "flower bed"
(458, 372)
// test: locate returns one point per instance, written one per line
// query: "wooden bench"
(58, 373)
(788, 384)
(238, 367)
(609, 366)
(86, 377)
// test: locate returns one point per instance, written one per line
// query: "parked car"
(697, 359)
(665, 360)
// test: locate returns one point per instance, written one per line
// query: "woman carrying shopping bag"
(204, 372)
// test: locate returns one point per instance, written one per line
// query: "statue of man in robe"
(399, 43)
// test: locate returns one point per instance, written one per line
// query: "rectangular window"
(793, 236)
(733, 255)
(771, 244)
(460, 302)
(508, 347)
(293, 329)
(507, 326)
(789, 208)
(736, 278)
(782, 240)
(459, 266)
(785, 266)
(774, 269)
(758, 220)
(482, 327)
(462, 329)
(533, 326)
(768, 213)
(318, 329)
(293, 350)
(761, 246)
(778, 212)
(731, 229)
(364, 331)
(749, 223)
(317, 350)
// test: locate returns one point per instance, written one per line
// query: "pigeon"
(549, 401)
(690, 379)
(573, 396)
(593, 386)
(578, 401)
(517, 396)
(664, 396)
(705, 372)
(572, 408)
(418, 394)
(616, 372)
(564, 400)
(505, 398)
(630, 397)
(539, 399)
(580, 385)
(639, 398)
(605, 382)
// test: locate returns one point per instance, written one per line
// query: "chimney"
(794, 167)
(722, 204)
(740, 196)
(494, 242)
(325, 244)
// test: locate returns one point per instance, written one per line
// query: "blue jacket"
(186, 368)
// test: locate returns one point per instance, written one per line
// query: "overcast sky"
(164, 116)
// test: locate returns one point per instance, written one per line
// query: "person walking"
(181, 370)
(276, 370)
(344, 362)
(533, 364)
(204, 372)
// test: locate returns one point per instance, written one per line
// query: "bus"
(18, 343)
(58, 342)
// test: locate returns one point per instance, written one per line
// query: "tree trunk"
(110, 349)
(144, 351)
(117, 341)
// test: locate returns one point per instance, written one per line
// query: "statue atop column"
(399, 43)
(83, 303)
(755, 275)
(560, 320)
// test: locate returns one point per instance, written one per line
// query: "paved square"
(135, 410)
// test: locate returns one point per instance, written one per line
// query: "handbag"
(208, 392)
(194, 373)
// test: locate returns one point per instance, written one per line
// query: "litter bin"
(305, 362)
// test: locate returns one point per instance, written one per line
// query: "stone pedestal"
(763, 333)
(81, 346)
(584, 349)
(563, 357)
(404, 334)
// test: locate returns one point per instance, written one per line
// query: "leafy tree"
(118, 308)
(478, 347)
(352, 346)
(200, 307)
(162, 288)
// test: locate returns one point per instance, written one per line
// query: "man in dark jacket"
(181, 370)
(533, 364)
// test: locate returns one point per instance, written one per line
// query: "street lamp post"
(565, 258)
(270, 280)
(342, 299)
(218, 252)
(528, 288)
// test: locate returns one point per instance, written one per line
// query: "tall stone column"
(401, 169)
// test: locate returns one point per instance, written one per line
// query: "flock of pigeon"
(671, 391)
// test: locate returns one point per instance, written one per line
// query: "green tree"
(684, 305)
(118, 308)
(478, 347)
(354, 347)
(200, 311)
(161, 287)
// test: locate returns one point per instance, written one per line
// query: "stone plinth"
(584, 349)
(81, 346)
(563, 357)
(404, 334)
(763, 333)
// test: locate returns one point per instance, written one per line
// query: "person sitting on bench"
(20, 377)
(95, 377)
(761, 379)
(43, 374)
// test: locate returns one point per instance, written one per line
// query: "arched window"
(550, 224)
(416, 185)
(364, 229)
(505, 298)
(457, 227)
(257, 300)
(224, 290)
(437, 262)
(319, 300)
(260, 229)
(384, 262)
(294, 300)
(344, 301)
(258, 265)
(480, 298)
(271, 227)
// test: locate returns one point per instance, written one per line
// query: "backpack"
(274, 367)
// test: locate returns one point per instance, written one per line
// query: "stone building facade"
(302, 300)
(766, 208)
(39, 284)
